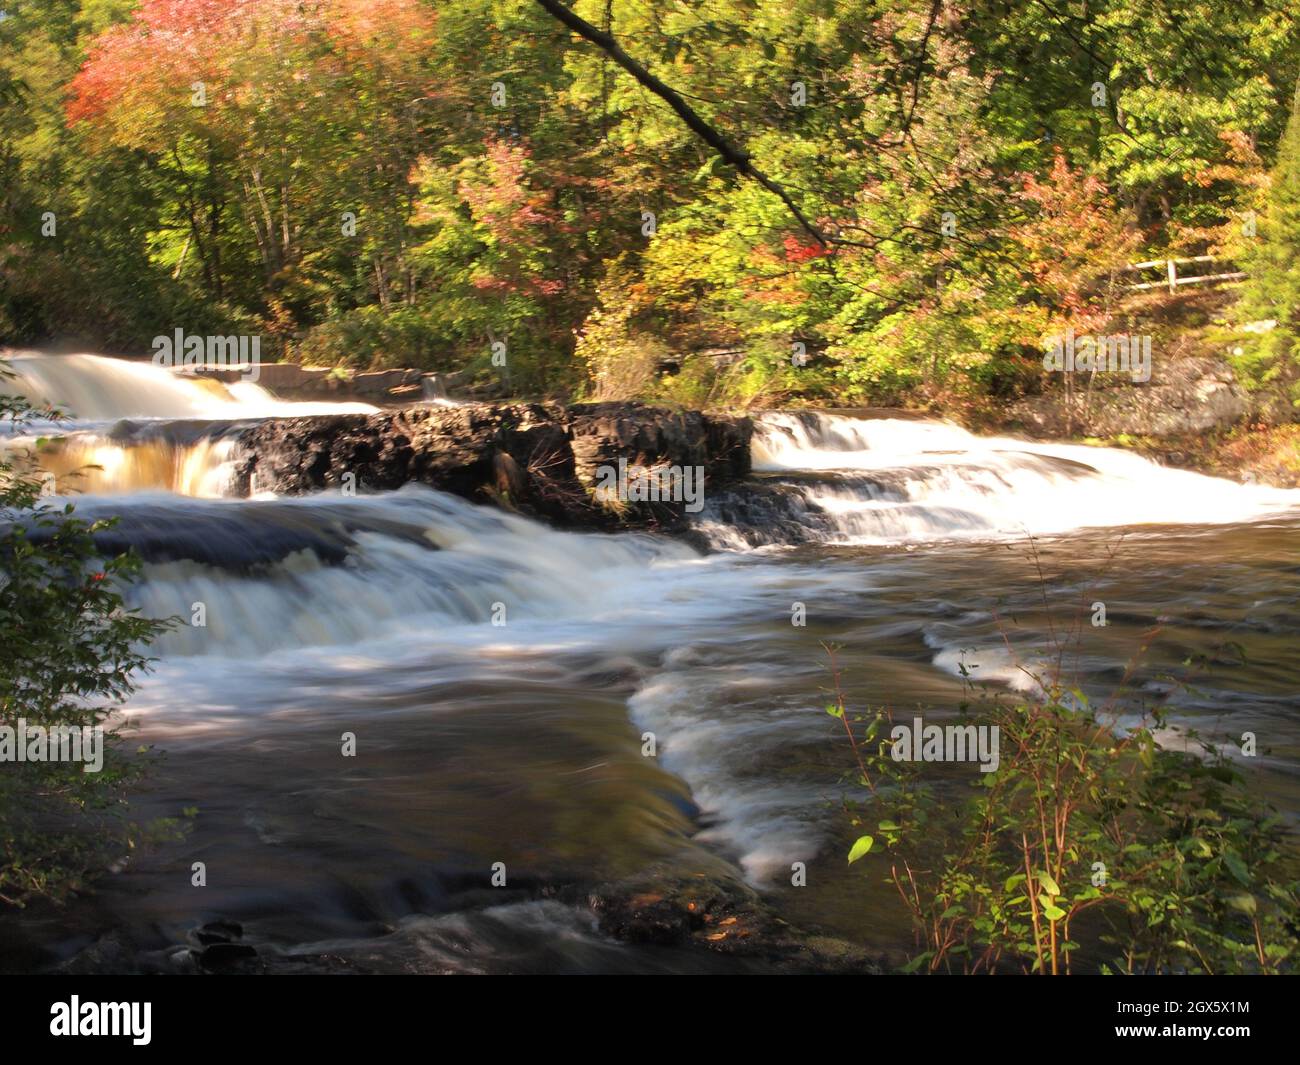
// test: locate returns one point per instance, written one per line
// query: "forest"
(885, 202)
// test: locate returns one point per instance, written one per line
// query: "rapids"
(501, 678)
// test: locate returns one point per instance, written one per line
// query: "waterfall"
(94, 388)
(838, 479)
(429, 612)
(130, 426)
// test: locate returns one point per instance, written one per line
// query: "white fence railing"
(1172, 280)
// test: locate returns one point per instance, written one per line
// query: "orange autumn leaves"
(140, 75)
(1074, 239)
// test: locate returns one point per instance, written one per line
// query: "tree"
(283, 134)
(851, 178)
(1273, 291)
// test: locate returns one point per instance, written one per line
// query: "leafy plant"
(1092, 845)
(71, 650)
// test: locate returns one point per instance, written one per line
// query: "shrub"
(71, 649)
(1087, 837)
(371, 338)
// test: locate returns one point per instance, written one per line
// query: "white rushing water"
(329, 601)
(94, 389)
(112, 438)
(893, 480)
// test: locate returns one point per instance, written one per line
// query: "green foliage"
(1273, 292)
(370, 338)
(1089, 847)
(71, 650)
(352, 184)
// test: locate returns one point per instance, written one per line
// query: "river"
(502, 679)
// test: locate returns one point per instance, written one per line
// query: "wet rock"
(218, 949)
(111, 952)
(223, 537)
(182, 961)
(379, 382)
(540, 459)
(218, 932)
(720, 914)
(225, 957)
(602, 433)
(648, 917)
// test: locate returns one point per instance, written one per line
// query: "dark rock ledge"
(538, 459)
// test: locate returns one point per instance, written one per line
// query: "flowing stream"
(500, 677)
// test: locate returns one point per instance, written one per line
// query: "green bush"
(371, 338)
(71, 649)
(1087, 838)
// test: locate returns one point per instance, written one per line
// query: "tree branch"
(736, 156)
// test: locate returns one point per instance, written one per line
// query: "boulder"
(540, 459)
(1191, 395)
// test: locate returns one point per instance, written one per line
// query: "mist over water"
(500, 676)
